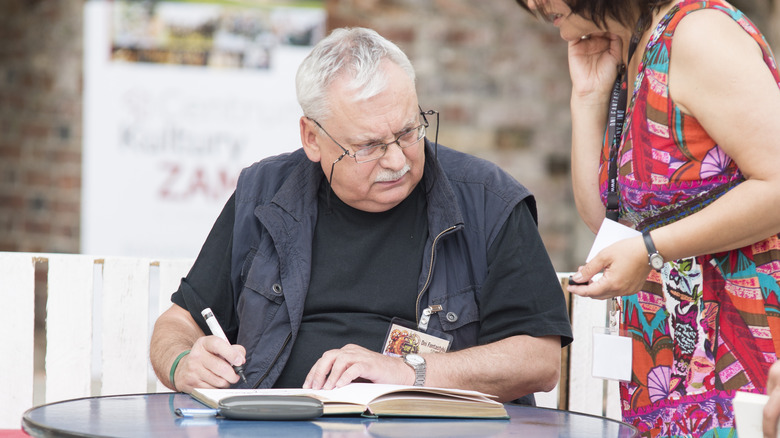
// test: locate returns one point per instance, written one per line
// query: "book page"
(357, 393)
(364, 393)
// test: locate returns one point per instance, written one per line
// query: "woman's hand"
(772, 407)
(593, 65)
(624, 266)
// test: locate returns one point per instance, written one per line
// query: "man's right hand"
(209, 365)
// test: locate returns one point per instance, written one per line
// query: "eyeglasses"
(376, 151)
(371, 152)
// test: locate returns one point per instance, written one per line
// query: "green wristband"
(175, 364)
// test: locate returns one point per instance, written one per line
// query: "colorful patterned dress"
(704, 326)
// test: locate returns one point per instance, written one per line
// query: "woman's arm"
(593, 68)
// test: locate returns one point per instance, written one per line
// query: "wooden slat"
(17, 293)
(613, 401)
(557, 397)
(563, 386)
(586, 393)
(125, 325)
(171, 273)
(69, 327)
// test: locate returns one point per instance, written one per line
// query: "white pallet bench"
(99, 314)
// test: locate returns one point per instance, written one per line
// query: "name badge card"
(611, 355)
(403, 338)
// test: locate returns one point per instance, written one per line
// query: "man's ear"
(309, 139)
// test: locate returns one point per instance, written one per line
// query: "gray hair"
(355, 51)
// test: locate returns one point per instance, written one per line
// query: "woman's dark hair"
(626, 12)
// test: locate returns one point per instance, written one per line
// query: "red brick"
(67, 157)
(35, 227)
(9, 246)
(37, 178)
(65, 207)
(14, 201)
(10, 153)
(35, 131)
(69, 182)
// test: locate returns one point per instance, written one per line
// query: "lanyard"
(617, 117)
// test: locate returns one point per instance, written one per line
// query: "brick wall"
(40, 124)
(498, 78)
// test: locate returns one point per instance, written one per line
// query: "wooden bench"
(99, 313)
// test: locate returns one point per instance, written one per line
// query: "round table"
(152, 415)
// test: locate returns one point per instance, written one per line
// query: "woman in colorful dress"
(696, 169)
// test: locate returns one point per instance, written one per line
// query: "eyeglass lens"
(408, 138)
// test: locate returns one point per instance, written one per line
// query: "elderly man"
(369, 226)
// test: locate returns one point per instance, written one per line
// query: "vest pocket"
(459, 309)
(262, 277)
(260, 298)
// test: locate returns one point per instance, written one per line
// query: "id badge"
(403, 338)
(612, 350)
(611, 355)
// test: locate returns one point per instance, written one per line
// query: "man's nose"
(394, 157)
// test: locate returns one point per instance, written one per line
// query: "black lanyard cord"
(617, 117)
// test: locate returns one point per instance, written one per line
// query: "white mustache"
(389, 175)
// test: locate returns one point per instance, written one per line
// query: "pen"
(216, 330)
(196, 412)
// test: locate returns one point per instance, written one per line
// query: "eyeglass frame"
(345, 152)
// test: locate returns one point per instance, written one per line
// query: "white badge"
(611, 355)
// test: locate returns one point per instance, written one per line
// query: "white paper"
(609, 233)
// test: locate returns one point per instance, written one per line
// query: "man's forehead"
(377, 128)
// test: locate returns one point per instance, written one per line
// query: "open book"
(372, 399)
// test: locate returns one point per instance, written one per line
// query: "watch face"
(414, 359)
(656, 261)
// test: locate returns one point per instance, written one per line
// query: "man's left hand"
(337, 368)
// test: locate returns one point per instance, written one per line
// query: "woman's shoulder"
(713, 25)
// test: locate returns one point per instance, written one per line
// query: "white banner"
(178, 98)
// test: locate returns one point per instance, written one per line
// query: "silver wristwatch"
(654, 258)
(417, 363)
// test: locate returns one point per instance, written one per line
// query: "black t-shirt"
(365, 271)
(365, 268)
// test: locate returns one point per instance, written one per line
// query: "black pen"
(216, 330)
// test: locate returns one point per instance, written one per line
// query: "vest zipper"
(279, 353)
(430, 270)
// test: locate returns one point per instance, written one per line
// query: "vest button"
(277, 288)
(452, 316)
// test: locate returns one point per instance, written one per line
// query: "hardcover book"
(376, 400)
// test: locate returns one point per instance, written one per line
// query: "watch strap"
(419, 369)
(649, 244)
(654, 258)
